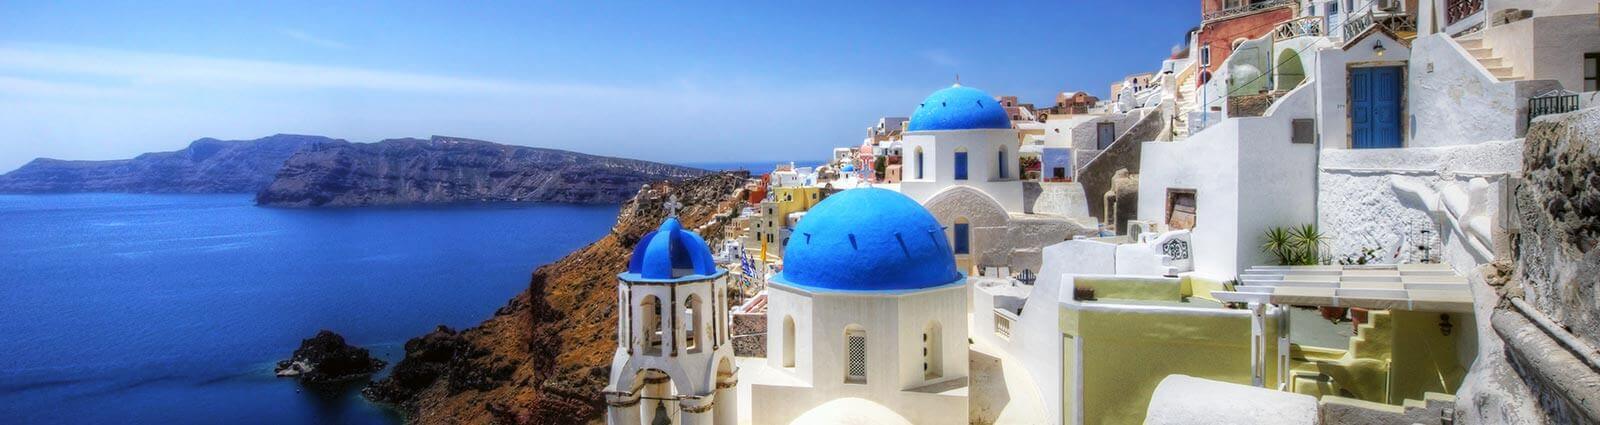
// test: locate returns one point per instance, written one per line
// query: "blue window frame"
(961, 165)
(961, 238)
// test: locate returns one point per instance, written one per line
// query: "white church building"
(868, 315)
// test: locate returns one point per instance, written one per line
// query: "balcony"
(1456, 10)
(1310, 26)
(1236, 8)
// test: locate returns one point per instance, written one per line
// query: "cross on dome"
(672, 205)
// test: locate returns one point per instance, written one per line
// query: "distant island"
(206, 166)
(288, 170)
(446, 170)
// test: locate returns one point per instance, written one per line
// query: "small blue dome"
(848, 168)
(868, 240)
(671, 253)
(959, 108)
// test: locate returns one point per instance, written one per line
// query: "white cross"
(672, 206)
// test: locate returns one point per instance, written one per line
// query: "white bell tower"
(674, 362)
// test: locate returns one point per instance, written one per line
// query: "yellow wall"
(1395, 356)
(784, 201)
(1132, 288)
(1126, 352)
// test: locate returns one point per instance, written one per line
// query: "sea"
(157, 309)
(173, 309)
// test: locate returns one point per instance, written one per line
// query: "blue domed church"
(961, 162)
(674, 362)
(870, 308)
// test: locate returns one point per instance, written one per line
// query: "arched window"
(855, 342)
(932, 354)
(961, 163)
(695, 315)
(788, 341)
(919, 163)
(1002, 163)
(650, 324)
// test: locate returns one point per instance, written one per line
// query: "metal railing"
(1456, 10)
(1309, 26)
(1556, 103)
(1252, 7)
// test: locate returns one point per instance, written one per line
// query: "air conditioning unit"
(1388, 5)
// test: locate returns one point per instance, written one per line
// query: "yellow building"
(772, 221)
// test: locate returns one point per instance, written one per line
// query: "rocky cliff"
(206, 166)
(452, 170)
(1538, 312)
(543, 358)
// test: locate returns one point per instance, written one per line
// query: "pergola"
(1415, 287)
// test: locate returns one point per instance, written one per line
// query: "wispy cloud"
(307, 38)
(125, 68)
(108, 103)
(941, 58)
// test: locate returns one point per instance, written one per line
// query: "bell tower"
(674, 362)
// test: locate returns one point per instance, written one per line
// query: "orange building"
(1224, 23)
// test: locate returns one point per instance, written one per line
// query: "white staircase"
(1186, 103)
(1485, 55)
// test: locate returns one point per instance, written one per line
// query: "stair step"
(1470, 43)
(1501, 71)
(1491, 62)
(1511, 78)
(1481, 53)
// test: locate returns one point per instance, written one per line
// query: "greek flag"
(746, 268)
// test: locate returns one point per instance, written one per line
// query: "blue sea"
(122, 308)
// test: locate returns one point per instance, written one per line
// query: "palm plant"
(1308, 242)
(1295, 246)
(1279, 244)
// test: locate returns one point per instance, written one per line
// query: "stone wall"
(1559, 205)
(1537, 310)
(749, 334)
(1063, 199)
(1123, 154)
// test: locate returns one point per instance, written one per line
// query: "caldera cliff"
(544, 357)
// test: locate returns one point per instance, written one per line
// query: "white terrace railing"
(1309, 26)
(1003, 320)
(1244, 9)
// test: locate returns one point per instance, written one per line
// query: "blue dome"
(959, 108)
(868, 240)
(671, 253)
(848, 168)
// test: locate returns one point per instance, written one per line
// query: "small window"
(962, 238)
(856, 345)
(1303, 131)
(1002, 163)
(1205, 56)
(961, 165)
(1591, 71)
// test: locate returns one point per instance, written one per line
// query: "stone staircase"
(1485, 55)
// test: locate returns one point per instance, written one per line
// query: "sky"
(675, 82)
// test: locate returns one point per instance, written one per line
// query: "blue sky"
(676, 82)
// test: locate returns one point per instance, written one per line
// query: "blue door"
(961, 238)
(1375, 107)
(961, 165)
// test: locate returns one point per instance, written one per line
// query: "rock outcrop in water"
(544, 357)
(326, 359)
(206, 166)
(446, 170)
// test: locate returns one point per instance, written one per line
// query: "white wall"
(1247, 177)
(939, 149)
(893, 322)
(1452, 100)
